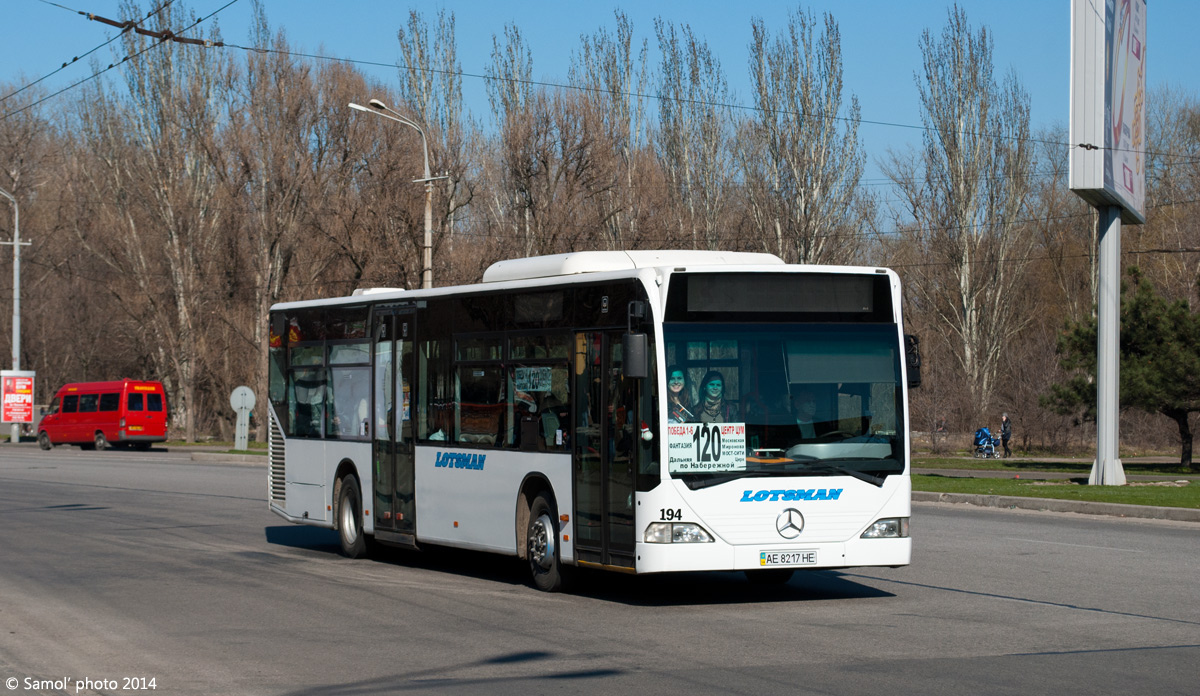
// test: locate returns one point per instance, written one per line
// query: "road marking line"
(1081, 546)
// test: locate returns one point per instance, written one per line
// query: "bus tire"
(101, 442)
(350, 531)
(44, 441)
(769, 576)
(544, 562)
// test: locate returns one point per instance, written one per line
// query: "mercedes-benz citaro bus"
(639, 412)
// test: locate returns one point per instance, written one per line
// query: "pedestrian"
(1005, 434)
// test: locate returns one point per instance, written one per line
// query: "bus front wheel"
(354, 543)
(44, 440)
(544, 562)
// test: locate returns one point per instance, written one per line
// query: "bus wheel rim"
(541, 542)
(349, 523)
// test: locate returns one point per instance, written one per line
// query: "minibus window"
(110, 402)
(71, 403)
(87, 403)
(134, 402)
(154, 402)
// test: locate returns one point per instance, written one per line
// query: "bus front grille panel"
(276, 461)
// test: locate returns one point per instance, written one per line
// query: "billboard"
(1108, 104)
(16, 390)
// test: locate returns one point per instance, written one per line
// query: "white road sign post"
(242, 401)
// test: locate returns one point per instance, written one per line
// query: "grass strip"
(1017, 466)
(1187, 496)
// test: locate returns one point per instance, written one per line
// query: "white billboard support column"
(1108, 170)
(1107, 469)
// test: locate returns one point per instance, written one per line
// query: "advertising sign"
(1108, 104)
(16, 389)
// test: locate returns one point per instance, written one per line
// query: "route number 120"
(708, 444)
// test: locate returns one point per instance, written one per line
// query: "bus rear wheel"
(350, 533)
(44, 440)
(101, 442)
(544, 562)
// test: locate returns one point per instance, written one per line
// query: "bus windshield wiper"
(799, 465)
(826, 467)
(697, 484)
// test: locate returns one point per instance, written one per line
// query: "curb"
(1053, 505)
(223, 458)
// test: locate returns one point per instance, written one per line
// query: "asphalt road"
(118, 566)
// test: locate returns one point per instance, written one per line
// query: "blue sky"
(879, 42)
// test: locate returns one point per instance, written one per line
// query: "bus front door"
(392, 438)
(604, 452)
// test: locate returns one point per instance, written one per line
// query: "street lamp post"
(16, 322)
(381, 109)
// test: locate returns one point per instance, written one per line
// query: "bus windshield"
(783, 400)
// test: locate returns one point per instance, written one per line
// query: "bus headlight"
(675, 533)
(887, 528)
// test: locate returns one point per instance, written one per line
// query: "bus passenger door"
(392, 438)
(605, 451)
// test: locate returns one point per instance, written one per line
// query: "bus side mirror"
(635, 362)
(912, 359)
(634, 346)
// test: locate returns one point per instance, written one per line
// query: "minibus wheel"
(101, 441)
(44, 440)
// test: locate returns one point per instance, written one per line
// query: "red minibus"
(94, 415)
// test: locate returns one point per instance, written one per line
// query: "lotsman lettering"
(460, 461)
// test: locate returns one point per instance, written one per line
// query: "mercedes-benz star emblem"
(789, 523)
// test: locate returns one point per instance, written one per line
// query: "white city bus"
(527, 415)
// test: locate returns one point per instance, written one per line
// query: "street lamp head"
(376, 104)
(358, 107)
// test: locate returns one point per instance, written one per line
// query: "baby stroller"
(985, 444)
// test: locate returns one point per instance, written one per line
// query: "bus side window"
(87, 403)
(110, 402)
(481, 405)
(70, 403)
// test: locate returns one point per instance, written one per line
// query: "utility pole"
(382, 109)
(16, 319)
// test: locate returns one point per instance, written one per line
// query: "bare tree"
(967, 195)
(612, 79)
(799, 154)
(695, 118)
(1065, 233)
(164, 195)
(269, 175)
(1173, 186)
(32, 170)
(431, 80)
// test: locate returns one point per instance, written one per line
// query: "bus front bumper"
(797, 555)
